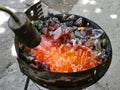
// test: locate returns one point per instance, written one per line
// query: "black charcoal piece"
(78, 22)
(51, 22)
(103, 54)
(69, 23)
(71, 18)
(78, 34)
(73, 28)
(57, 33)
(97, 33)
(55, 20)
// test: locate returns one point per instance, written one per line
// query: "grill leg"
(26, 84)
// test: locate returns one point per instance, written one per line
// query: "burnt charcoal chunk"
(71, 18)
(51, 22)
(73, 28)
(78, 34)
(57, 33)
(76, 41)
(104, 54)
(45, 66)
(97, 33)
(55, 20)
(89, 30)
(83, 33)
(78, 22)
(69, 23)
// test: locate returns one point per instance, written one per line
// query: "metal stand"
(26, 84)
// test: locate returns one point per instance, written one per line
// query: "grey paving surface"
(64, 6)
(106, 13)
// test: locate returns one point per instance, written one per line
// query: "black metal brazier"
(75, 80)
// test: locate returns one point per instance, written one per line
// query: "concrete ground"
(106, 13)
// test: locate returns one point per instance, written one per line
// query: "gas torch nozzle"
(24, 30)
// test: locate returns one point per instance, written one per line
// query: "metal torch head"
(25, 32)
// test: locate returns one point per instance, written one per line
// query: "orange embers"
(81, 28)
(65, 58)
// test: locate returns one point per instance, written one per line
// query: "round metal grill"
(51, 80)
